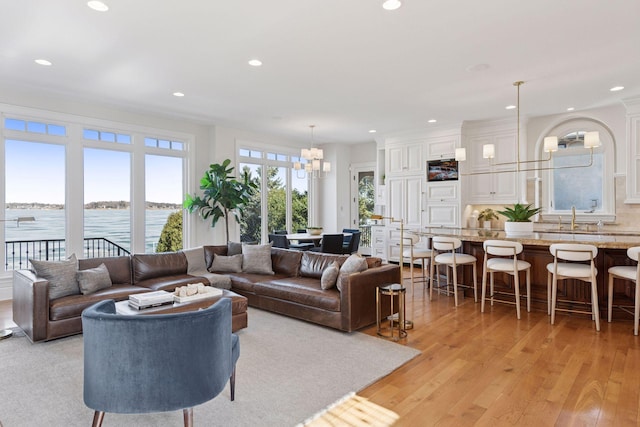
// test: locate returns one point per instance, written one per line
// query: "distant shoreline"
(107, 205)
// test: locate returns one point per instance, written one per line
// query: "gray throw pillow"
(93, 279)
(234, 248)
(330, 275)
(60, 274)
(226, 264)
(354, 264)
(195, 260)
(257, 259)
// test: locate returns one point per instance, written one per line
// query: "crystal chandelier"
(315, 165)
(591, 140)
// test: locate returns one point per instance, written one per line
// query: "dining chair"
(501, 256)
(629, 273)
(569, 263)
(279, 241)
(353, 244)
(331, 244)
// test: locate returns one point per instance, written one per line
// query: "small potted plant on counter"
(485, 217)
(519, 219)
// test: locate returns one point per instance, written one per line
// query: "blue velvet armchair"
(157, 363)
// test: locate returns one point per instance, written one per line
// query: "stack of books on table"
(150, 299)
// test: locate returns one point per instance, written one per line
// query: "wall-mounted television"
(442, 170)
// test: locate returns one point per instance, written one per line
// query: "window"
(163, 198)
(282, 201)
(590, 189)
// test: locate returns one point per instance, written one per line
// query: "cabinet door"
(442, 192)
(413, 202)
(414, 158)
(395, 196)
(395, 160)
(443, 214)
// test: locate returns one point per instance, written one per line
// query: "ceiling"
(346, 66)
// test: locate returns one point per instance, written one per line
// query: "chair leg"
(492, 287)
(232, 384)
(484, 286)
(187, 415)
(610, 298)
(411, 273)
(516, 286)
(594, 302)
(475, 282)
(528, 290)
(636, 310)
(98, 416)
(431, 266)
(548, 293)
(455, 283)
(554, 296)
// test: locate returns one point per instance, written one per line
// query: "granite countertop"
(542, 238)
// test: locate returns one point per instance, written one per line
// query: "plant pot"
(518, 228)
(486, 225)
(314, 231)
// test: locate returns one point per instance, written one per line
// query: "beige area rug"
(288, 371)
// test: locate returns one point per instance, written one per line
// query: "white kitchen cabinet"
(487, 186)
(379, 241)
(404, 201)
(442, 204)
(404, 159)
(381, 195)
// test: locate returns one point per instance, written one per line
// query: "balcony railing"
(18, 252)
(365, 236)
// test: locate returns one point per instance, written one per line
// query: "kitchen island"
(612, 250)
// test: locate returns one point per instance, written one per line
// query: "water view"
(112, 224)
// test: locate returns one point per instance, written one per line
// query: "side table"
(394, 291)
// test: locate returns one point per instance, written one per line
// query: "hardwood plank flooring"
(490, 369)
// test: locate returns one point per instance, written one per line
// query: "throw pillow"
(330, 275)
(195, 260)
(226, 264)
(60, 274)
(257, 259)
(354, 264)
(234, 248)
(93, 279)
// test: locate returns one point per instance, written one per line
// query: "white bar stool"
(415, 253)
(631, 273)
(573, 253)
(505, 260)
(444, 253)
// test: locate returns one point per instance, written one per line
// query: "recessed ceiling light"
(391, 4)
(255, 63)
(616, 88)
(373, 131)
(98, 5)
(43, 62)
(178, 94)
(570, 109)
(431, 121)
(510, 107)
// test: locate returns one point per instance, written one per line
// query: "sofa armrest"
(358, 296)
(31, 304)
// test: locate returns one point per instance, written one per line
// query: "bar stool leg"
(636, 310)
(484, 286)
(492, 287)
(516, 286)
(610, 298)
(594, 302)
(549, 293)
(455, 283)
(475, 282)
(528, 289)
(554, 292)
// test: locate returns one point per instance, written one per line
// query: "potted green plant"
(224, 195)
(519, 218)
(485, 216)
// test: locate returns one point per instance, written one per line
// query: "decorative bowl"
(314, 231)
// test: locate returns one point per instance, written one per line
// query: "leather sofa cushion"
(304, 291)
(72, 305)
(150, 266)
(245, 282)
(286, 262)
(170, 282)
(119, 268)
(313, 264)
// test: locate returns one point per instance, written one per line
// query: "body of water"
(113, 225)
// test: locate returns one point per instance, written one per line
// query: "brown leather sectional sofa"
(293, 290)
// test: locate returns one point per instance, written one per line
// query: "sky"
(35, 173)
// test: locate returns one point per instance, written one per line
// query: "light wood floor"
(491, 369)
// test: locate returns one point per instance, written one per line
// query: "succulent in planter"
(520, 212)
(519, 219)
